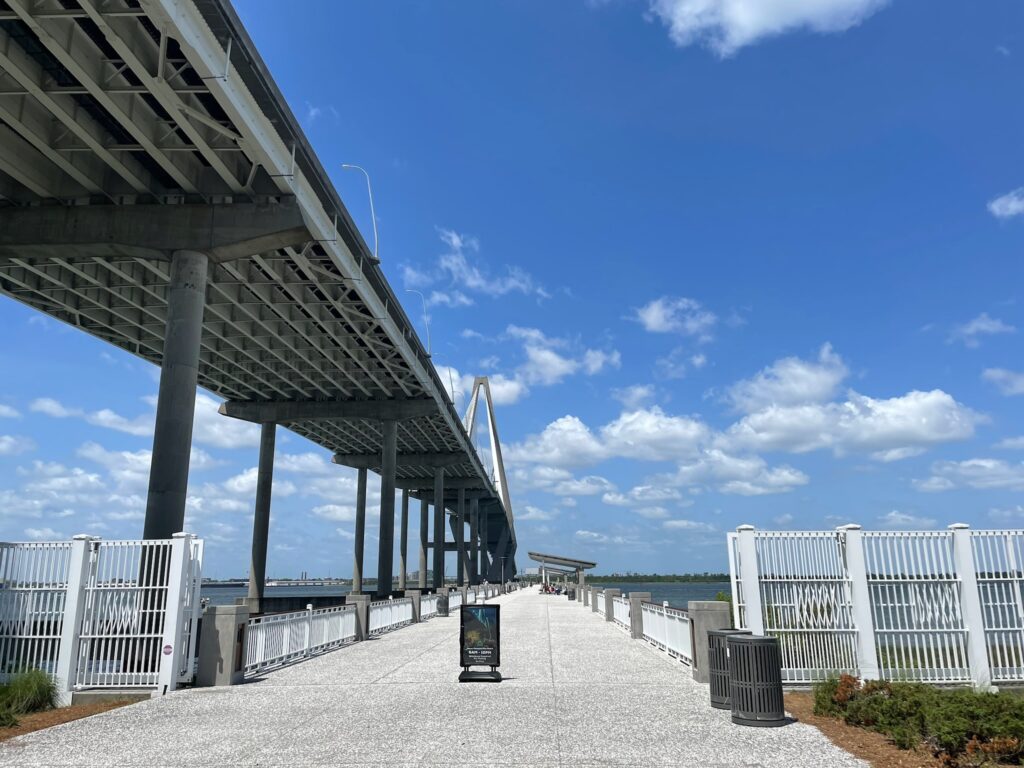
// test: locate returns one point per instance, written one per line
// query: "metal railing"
(620, 611)
(470, 596)
(932, 606)
(669, 630)
(386, 615)
(278, 639)
(454, 600)
(428, 607)
(599, 600)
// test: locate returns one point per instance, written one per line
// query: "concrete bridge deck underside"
(578, 692)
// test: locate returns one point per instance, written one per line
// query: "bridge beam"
(452, 483)
(372, 460)
(222, 231)
(261, 517)
(284, 411)
(176, 397)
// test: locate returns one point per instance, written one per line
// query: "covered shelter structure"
(557, 564)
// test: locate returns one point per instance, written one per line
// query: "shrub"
(965, 727)
(7, 718)
(29, 691)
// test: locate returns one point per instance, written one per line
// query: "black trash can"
(755, 681)
(442, 603)
(571, 594)
(718, 665)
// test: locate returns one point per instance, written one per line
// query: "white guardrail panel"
(428, 606)
(386, 615)
(277, 639)
(454, 601)
(599, 597)
(620, 612)
(999, 562)
(669, 630)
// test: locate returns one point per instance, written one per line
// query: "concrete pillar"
(261, 518)
(609, 604)
(176, 398)
(586, 596)
(424, 527)
(438, 528)
(485, 544)
(636, 613)
(362, 604)
(357, 570)
(474, 544)
(595, 598)
(403, 537)
(581, 584)
(705, 615)
(970, 606)
(415, 595)
(222, 645)
(461, 567)
(386, 550)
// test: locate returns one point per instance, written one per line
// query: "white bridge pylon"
(498, 465)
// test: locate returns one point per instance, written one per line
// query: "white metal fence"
(933, 606)
(599, 602)
(101, 614)
(386, 615)
(668, 629)
(428, 606)
(470, 596)
(277, 639)
(620, 611)
(454, 600)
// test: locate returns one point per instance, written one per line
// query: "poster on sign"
(480, 641)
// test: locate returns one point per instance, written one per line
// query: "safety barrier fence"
(669, 630)
(101, 614)
(620, 611)
(278, 639)
(599, 601)
(386, 615)
(454, 600)
(471, 596)
(932, 606)
(428, 606)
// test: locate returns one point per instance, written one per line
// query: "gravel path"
(578, 692)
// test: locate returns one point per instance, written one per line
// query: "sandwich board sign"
(480, 642)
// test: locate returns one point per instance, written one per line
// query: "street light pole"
(369, 190)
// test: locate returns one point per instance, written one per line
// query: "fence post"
(74, 608)
(748, 577)
(171, 650)
(309, 628)
(860, 599)
(970, 606)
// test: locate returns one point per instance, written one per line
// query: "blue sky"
(725, 261)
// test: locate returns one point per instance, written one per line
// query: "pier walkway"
(578, 692)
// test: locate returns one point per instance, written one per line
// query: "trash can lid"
(749, 639)
(728, 632)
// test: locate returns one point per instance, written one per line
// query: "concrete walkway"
(578, 692)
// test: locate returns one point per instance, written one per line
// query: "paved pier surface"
(578, 692)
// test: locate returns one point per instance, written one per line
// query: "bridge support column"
(386, 550)
(424, 529)
(357, 558)
(176, 399)
(403, 536)
(439, 528)
(474, 543)
(581, 584)
(261, 517)
(485, 545)
(461, 568)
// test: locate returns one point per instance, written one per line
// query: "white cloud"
(545, 366)
(744, 476)
(591, 485)
(596, 360)
(634, 396)
(1009, 205)
(698, 361)
(244, 484)
(677, 315)
(7, 412)
(533, 513)
(565, 442)
(337, 512)
(12, 445)
(970, 332)
(308, 463)
(345, 534)
(688, 525)
(673, 365)
(1007, 382)
(725, 26)
(652, 513)
(897, 520)
(791, 381)
(980, 474)
(44, 534)
(653, 435)
(450, 299)
(1011, 514)
(783, 520)
(592, 536)
(641, 494)
(1011, 443)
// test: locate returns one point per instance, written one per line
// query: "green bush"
(29, 691)
(964, 727)
(7, 718)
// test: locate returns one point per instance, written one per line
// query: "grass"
(963, 727)
(30, 691)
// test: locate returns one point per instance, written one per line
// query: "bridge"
(577, 691)
(157, 193)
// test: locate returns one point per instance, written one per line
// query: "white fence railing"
(470, 596)
(599, 601)
(101, 614)
(428, 606)
(454, 601)
(668, 629)
(620, 611)
(386, 615)
(933, 606)
(279, 638)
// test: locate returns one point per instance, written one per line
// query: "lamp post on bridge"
(369, 191)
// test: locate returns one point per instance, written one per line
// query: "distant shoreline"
(656, 578)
